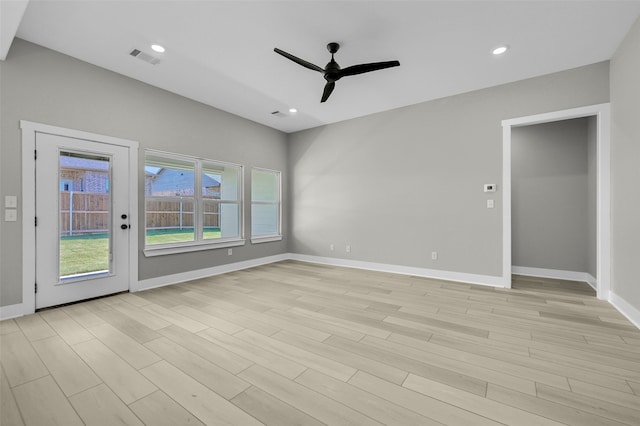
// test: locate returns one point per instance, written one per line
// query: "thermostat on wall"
(490, 187)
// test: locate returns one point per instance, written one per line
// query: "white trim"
(556, 274)
(625, 308)
(152, 251)
(207, 272)
(462, 277)
(268, 239)
(29, 130)
(11, 311)
(603, 147)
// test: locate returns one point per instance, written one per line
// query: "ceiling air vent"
(278, 114)
(137, 53)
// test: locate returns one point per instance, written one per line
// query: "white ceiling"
(221, 52)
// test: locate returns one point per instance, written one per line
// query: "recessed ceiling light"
(157, 48)
(293, 110)
(500, 50)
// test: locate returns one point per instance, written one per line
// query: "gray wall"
(400, 184)
(550, 196)
(625, 168)
(44, 86)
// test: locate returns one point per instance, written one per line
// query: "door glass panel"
(85, 215)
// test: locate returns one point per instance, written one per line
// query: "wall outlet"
(229, 252)
(434, 255)
(348, 249)
(10, 215)
(332, 247)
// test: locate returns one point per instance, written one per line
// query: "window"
(180, 217)
(265, 206)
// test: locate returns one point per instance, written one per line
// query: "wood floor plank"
(379, 369)
(126, 347)
(270, 410)
(428, 407)
(209, 374)
(551, 410)
(624, 399)
(207, 349)
(123, 379)
(148, 319)
(83, 316)
(19, 360)
(34, 327)
(209, 320)
(284, 366)
(99, 406)
(588, 404)
(206, 405)
(371, 405)
(158, 409)
(529, 375)
(9, 413)
(479, 405)
(65, 326)
(67, 368)
(41, 402)
(424, 369)
(449, 361)
(309, 359)
(313, 403)
(132, 328)
(9, 326)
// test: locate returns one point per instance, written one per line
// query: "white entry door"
(82, 219)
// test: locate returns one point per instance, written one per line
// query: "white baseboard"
(555, 273)
(625, 309)
(11, 311)
(207, 272)
(488, 280)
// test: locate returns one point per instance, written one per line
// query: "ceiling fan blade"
(362, 68)
(299, 61)
(328, 88)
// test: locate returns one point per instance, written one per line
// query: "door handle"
(124, 226)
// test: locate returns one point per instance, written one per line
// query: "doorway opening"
(599, 115)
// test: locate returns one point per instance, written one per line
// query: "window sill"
(266, 239)
(205, 245)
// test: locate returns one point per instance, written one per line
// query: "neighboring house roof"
(177, 180)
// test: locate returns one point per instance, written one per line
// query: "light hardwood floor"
(296, 343)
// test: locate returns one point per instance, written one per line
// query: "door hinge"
(36, 287)
(35, 222)
(35, 154)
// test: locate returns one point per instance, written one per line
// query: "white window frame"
(198, 243)
(278, 235)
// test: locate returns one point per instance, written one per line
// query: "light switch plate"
(11, 201)
(490, 204)
(10, 215)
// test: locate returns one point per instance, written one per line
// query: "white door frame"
(603, 176)
(29, 130)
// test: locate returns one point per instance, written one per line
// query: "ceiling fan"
(332, 71)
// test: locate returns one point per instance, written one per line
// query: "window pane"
(211, 221)
(220, 184)
(229, 220)
(264, 186)
(265, 207)
(264, 219)
(85, 212)
(169, 197)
